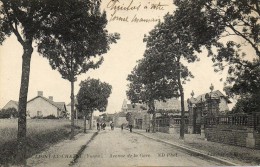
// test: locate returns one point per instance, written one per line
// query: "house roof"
(15, 102)
(11, 102)
(171, 104)
(121, 114)
(202, 97)
(59, 105)
(135, 106)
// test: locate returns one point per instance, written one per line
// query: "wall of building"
(120, 120)
(42, 105)
(223, 105)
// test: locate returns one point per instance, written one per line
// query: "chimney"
(51, 98)
(40, 93)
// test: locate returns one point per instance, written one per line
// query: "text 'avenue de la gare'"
(129, 155)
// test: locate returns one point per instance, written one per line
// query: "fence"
(235, 129)
(234, 121)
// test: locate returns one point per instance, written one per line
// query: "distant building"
(119, 119)
(140, 117)
(170, 107)
(11, 104)
(41, 106)
(168, 115)
(124, 106)
(142, 120)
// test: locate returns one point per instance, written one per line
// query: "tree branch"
(15, 30)
(243, 36)
(257, 7)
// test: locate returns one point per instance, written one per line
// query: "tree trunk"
(90, 120)
(77, 117)
(21, 135)
(72, 110)
(153, 121)
(152, 109)
(85, 124)
(182, 105)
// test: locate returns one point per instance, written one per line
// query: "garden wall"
(237, 129)
(227, 136)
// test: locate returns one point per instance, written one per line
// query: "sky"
(118, 61)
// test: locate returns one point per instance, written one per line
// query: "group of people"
(103, 126)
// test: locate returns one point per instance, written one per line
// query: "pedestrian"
(104, 126)
(112, 125)
(122, 126)
(98, 127)
(130, 127)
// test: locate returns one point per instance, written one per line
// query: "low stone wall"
(227, 136)
(163, 129)
(236, 129)
(257, 141)
(173, 129)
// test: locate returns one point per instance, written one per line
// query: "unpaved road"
(122, 148)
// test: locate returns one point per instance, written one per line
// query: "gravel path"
(122, 148)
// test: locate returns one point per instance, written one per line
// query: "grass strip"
(35, 144)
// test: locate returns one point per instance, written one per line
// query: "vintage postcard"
(105, 83)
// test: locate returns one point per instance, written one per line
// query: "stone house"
(168, 115)
(41, 106)
(119, 119)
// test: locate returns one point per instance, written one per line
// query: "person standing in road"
(122, 126)
(104, 126)
(98, 126)
(112, 125)
(130, 127)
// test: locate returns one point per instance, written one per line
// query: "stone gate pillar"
(191, 105)
(250, 140)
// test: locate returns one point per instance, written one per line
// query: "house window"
(39, 113)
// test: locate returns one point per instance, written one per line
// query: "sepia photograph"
(129, 83)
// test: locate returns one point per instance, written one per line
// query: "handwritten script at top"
(129, 10)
